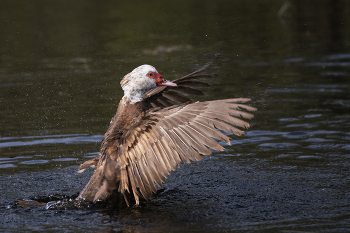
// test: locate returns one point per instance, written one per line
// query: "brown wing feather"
(179, 130)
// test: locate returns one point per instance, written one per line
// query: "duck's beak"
(168, 83)
(162, 82)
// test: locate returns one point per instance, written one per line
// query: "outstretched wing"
(177, 134)
(166, 96)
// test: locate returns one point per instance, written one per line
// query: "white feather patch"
(136, 83)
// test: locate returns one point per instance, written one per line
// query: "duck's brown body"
(107, 175)
(148, 139)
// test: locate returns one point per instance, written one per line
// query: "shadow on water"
(60, 68)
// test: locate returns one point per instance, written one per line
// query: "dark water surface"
(60, 67)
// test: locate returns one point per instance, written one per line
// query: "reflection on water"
(60, 68)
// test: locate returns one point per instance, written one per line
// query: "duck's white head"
(140, 80)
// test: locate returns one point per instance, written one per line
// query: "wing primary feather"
(146, 180)
(234, 103)
(195, 72)
(180, 146)
(229, 119)
(174, 156)
(247, 107)
(151, 158)
(169, 142)
(203, 139)
(166, 155)
(146, 184)
(230, 112)
(164, 160)
(221, 125)
(196, 145)
(149, 173)
(138, 181)
(133, 185)
(124, 184)
(154, 105)
(218, 124)
(136, 175)
(154, 162)
(160, 168)
(211, 131)
(174, 145)
(162, 163)
(183, 136)
(155, 173)
(164, 101)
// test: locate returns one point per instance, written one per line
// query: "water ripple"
(328, 64)
(66, 139)
(279, 144)
(34, 162)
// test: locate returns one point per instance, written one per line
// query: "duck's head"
(140, 80)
